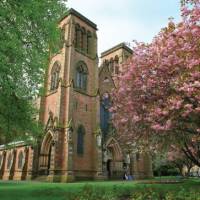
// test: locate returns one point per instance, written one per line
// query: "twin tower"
(78, 140)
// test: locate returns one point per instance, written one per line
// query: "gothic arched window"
(55, 76)
(81, 76)
(77, 35)
(89, 42)
(83, 39)
(20, 160)
(62, 37)
(80, 140)
(116, 64)
(9, 161)
(105, 115)
(137, 156)
(111, 67)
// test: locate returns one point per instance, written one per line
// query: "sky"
(127, 20)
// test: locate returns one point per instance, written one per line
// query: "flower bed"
(162, 182)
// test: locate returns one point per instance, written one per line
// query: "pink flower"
(188, 106)
(135, 118)
(123, 120)
(198, 130)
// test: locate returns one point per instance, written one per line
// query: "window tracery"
(9, 161)
(89, 41)
(83, 39)
(20, 160)
(111, 67)
(81, 76)
(80, 140)
(116, 64)
(77, 35)
(105, 114)
(55, 76)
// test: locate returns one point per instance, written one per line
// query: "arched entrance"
(109, 167)
(114, 160)
(46, 154)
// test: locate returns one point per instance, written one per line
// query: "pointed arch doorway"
(114, 160)
(46, 161)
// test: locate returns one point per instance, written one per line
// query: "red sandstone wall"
(11, 169)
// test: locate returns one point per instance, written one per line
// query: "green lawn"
(107, 190)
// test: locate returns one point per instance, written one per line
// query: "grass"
(23, 190)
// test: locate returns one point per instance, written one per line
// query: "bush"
(153, 195)
(90, 192)
(166, 170)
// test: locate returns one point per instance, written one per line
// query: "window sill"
(79, 90)
(80, 155)
(50, 92)
(84, 53)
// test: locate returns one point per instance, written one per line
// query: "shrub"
(155, 195)
(166, 170)
(90, 192)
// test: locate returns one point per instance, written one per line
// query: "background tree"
(158, 94)
(177, 158)
(162, 166)
(28, 30)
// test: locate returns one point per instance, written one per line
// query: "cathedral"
(79, 142)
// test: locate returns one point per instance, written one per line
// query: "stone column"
(6, 169)
(134, 166)
(17, 175)
(30, 165)
(93, 45)
(70, 150)
(25, 167)
(69, 177)
(148, 171)
(104, 164)
(141, 166)
(52, 162)
(67, 173)
(34, 160)
(99, 158)
(64, 153)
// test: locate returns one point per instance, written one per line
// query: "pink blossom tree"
(157, 100)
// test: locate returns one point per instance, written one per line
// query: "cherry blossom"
(158, 90)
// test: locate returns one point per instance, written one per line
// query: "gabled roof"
(72, 11)
(13, 144)
(105, 68)
(115, 48)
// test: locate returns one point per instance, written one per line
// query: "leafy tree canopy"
(28, 30)
(158, 98)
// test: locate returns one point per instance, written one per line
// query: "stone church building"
(79, 142)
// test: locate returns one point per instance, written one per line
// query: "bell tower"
(70, 107)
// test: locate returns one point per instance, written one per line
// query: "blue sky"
(127, 20)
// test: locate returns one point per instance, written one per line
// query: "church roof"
(11, 144)
(72, 11)
(115, 48)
